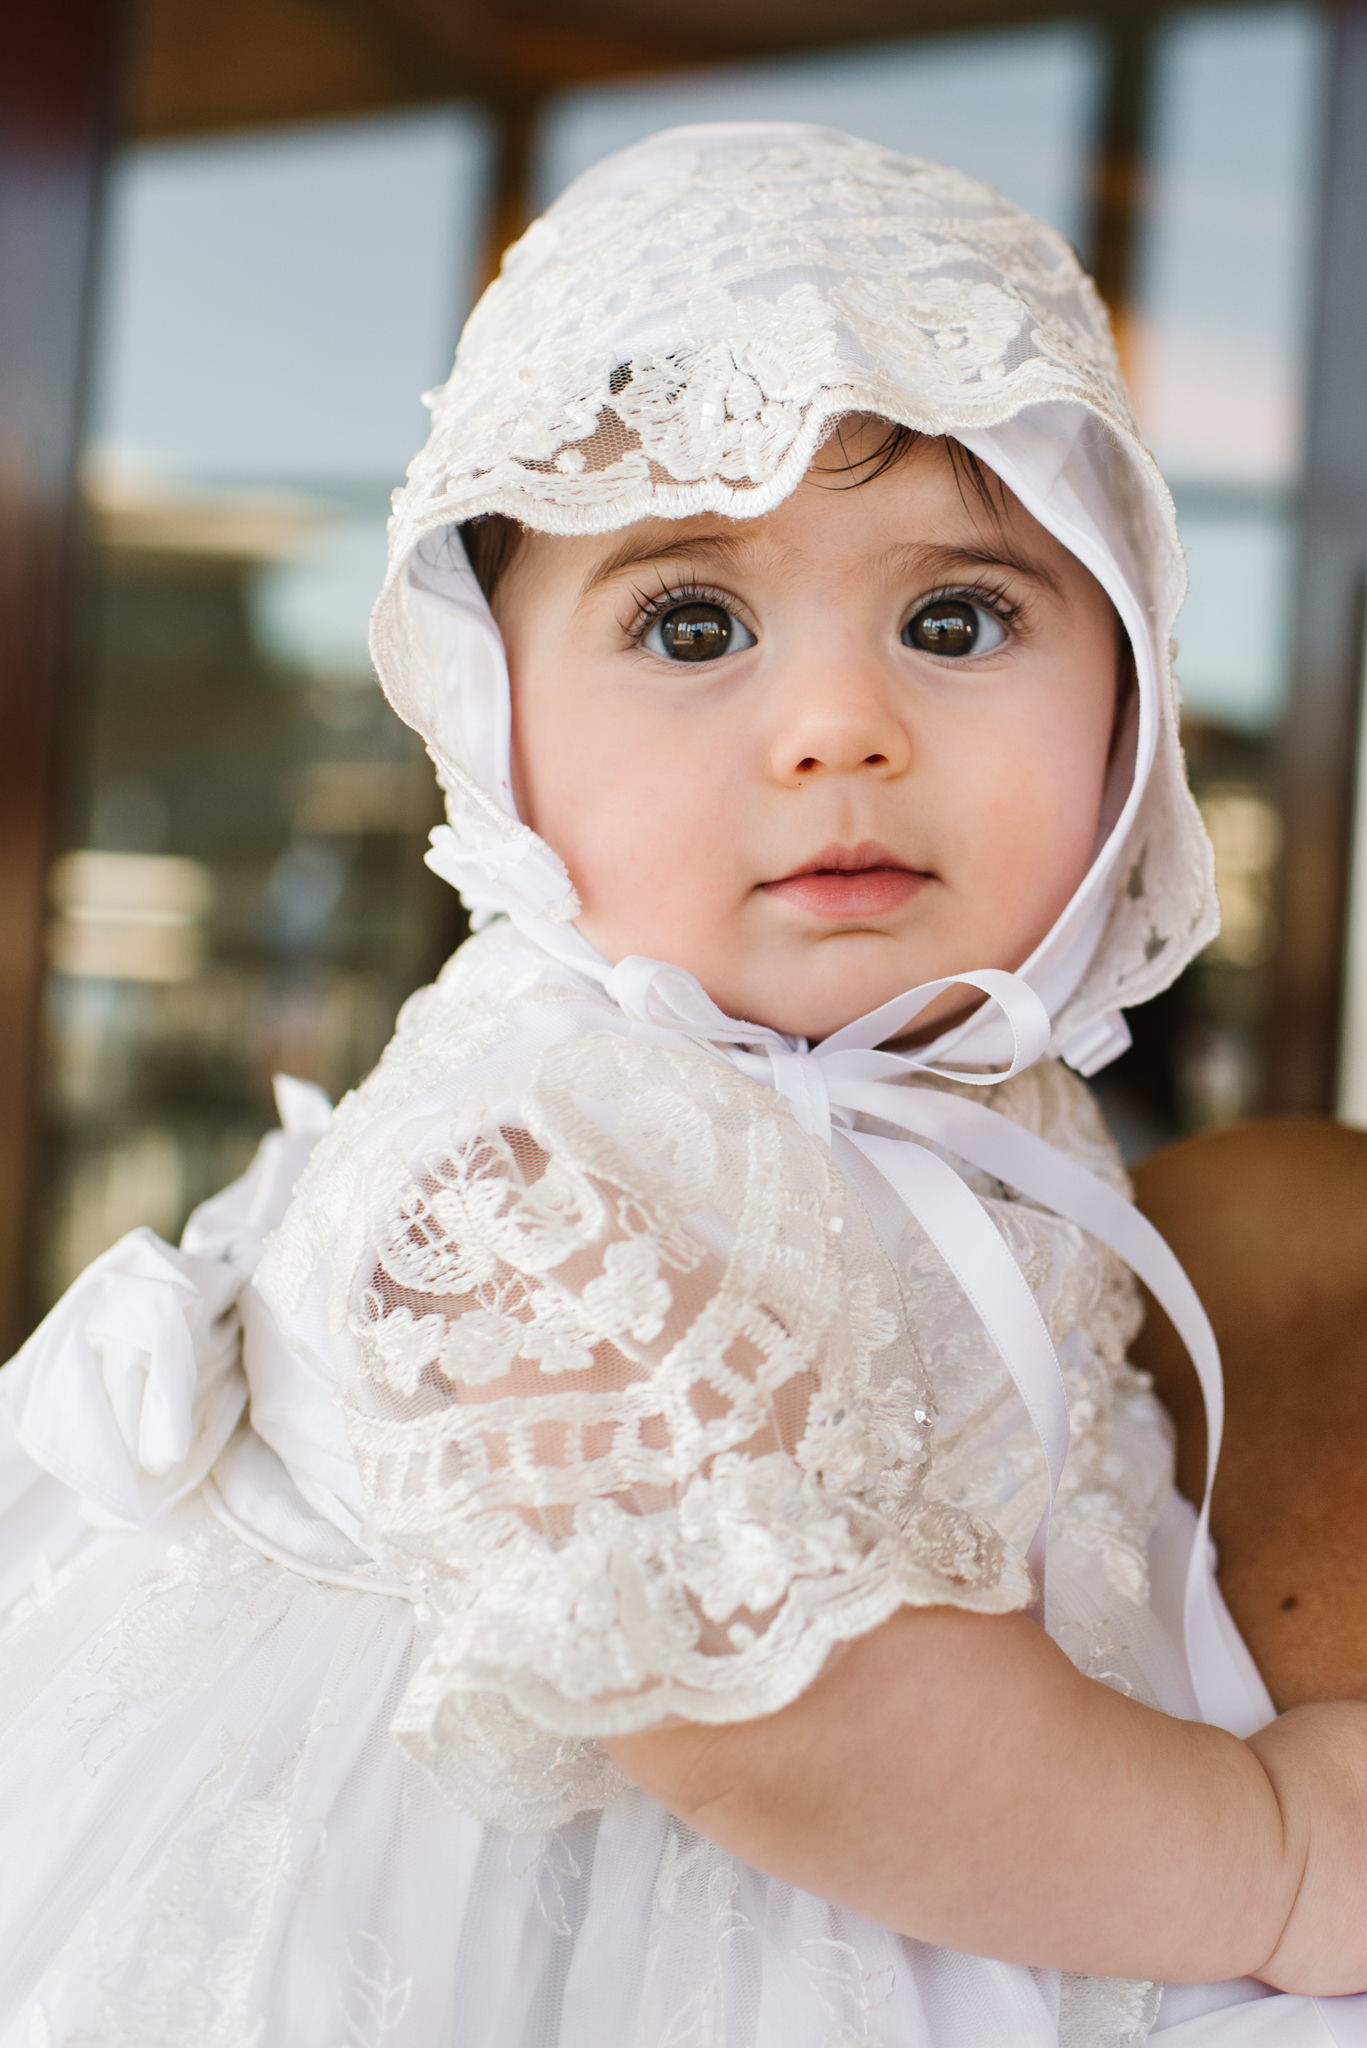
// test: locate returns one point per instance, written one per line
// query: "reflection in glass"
(1017, 108)
(241, 890)
(1216, 347)
(1219, 338)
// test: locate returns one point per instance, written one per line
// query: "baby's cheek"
(642, 875)
(1024, 849)
(1057, 844)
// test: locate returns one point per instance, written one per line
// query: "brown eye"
(697, 632)
(952, 627)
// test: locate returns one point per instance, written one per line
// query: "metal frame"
(1319, 750)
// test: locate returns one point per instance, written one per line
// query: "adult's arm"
(1270, 1221)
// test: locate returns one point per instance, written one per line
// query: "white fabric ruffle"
(222, 1845)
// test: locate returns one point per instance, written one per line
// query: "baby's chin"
(819, 1021)
(815, 1005)
(818, 993)
(808, 990)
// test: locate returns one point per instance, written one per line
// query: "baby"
(696, 1569)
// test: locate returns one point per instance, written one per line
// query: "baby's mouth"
(843, 882)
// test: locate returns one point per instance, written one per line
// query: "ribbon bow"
(837, 1088)
(131, 1386)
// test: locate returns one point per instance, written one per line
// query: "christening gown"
(602, 1358)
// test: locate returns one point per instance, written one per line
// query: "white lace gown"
(583, 1391)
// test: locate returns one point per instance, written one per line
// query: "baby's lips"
(843, 893)
(838, 858)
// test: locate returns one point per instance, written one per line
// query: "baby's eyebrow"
(946, 560)
(661, 548)
(936, 559)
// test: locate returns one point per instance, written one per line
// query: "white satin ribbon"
(131, 1387)
(846, 1077)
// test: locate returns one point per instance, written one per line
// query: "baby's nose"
(839, 723)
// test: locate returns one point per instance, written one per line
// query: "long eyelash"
(652, 605)
(990, 595)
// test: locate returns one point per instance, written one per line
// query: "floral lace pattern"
(645, 1411)
(1106, 2012)
(993, 311)
(750, 274)
(181, 1954)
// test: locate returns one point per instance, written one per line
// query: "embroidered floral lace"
(645, 1411)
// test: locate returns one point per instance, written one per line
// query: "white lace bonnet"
(677, 334)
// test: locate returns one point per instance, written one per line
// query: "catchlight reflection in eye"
(953, 627)
(697, 632)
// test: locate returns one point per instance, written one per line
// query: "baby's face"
(818, 757)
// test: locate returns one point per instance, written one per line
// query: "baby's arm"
(949, 1775)
(954, 1777)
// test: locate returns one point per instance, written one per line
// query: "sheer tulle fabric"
(644, 1408)
(242, 1855)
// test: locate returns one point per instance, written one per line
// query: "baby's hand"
(955, 1777)
(1316, 1759)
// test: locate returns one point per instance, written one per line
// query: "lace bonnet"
(678, 334)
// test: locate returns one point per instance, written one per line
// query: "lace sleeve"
(640, 1418)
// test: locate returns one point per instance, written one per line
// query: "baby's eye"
(697, 631)
(953, 627)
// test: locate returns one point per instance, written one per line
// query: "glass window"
(1216, 347)
(242, 889)
(1017, 108)
(1218, 339)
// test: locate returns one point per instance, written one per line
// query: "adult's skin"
(1270, 1221)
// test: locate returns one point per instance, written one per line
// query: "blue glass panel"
(1018, 109)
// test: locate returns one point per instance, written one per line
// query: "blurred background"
(237, 244)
